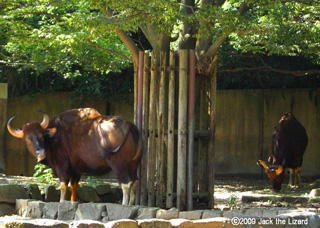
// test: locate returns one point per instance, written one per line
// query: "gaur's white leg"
(292, 175)
(133, 192)
(63, 191)
(299, 179)
(126, 192)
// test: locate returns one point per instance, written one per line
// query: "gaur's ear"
(51, 131)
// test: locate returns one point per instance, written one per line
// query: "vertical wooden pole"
(211, 151)
(152, 132)
(161, 120)
(170, 157)
(139, 112)
(202, 154)
(182, 130)
(145, 127)
(191, 129)
(135, 88)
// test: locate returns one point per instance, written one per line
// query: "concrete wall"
(245, 123)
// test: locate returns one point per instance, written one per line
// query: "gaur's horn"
(14, 132)
(45, 122)
(279, 170)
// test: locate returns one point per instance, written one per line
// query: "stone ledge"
(309, 219)
(112, 215)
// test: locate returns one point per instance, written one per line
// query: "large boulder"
(6, 209)
(90, 211)
(50, 210)
(88, 194)
(34, 192)
(10, 192)
(67, 210)
(51, 193)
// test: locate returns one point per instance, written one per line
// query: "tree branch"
(126, 40)
(107, 50)
(269, 68)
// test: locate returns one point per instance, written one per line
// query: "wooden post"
(191, 129)
(211, 151)
(170, 157)
(152, 132)
(135, 88)
(161, 120)
(202, 154)
(182, 130)
(145, 132)
(139, 112)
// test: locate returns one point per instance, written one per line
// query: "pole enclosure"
(177, 123)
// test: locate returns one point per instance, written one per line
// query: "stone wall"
(24, 206)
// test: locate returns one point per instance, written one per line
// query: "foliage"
(233, 202)
(57, 35)
(43, 174)
(93, 182)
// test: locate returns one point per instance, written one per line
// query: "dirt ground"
(230, 190)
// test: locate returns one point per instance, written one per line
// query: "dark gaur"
(289, 142)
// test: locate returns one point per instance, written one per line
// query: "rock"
(86, 224)
(10, 192)
(300, 219)
(212, 214)
(181, 223)
(92, 211)
(147, 212)
(116, 192)
(103, 189)
(315, 192)
(51, 193)
(316, 184)
(35, 209)
(35, 223)
(123, 223)
(212, 222)
(88, 194)
(67, 210)
(6, 209)
(34, 192)
(233, 213)
(150, 223)
(270, 212)
(191, 215)
(173, 213)
(292, 199)
(118, 211)
(22, 206)
(50, 210)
